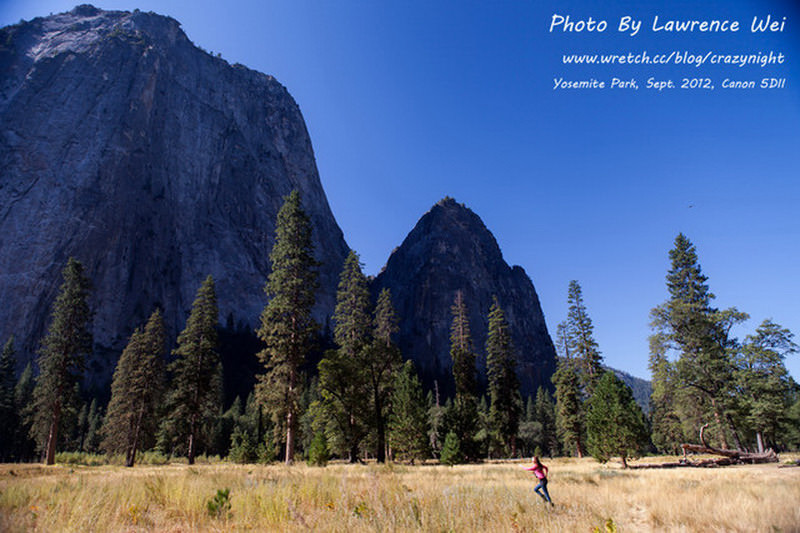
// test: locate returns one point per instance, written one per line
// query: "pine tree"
(545, 414)
(580, 338)
(569, 407)
(765, 384)
(24, 446)
(451, 450)
(9, 420)
(287, 327)
(78, 426)
(408, 424)
(383, 359)
(61, 358)
(196, 386)
(318, 453)
(94, 423)
(436, 421)
(615, 425)
(563, 348)
(461, 350)
(464, 416)
(314, 419)
(530, 430)
(504, 408)
(342, 375)
(689, 325)
(666, 430)
(136, 391)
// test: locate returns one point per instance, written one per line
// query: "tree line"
(362, 400)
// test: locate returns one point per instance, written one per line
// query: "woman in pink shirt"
(540, 471)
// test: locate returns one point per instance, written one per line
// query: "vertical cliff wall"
(153, 163)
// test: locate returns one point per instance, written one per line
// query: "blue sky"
(407, 102)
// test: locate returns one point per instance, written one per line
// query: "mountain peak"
(450, 249)
(85, 10)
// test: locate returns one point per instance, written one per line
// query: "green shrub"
(220, 505)
(318, 454)
(451, 450)
(242, 448)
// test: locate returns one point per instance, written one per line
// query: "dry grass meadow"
(352, 498)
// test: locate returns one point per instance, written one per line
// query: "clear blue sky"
(407, 102)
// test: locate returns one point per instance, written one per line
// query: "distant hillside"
(641, 388)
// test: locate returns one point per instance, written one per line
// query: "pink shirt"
(539, 471)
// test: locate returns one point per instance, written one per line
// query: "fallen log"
(729, 457)
(737, 456)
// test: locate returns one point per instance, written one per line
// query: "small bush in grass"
(220, 505)
(242, 448)
(608, 527)
(451, 451)
(318, 451)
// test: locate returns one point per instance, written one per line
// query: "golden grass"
(352, 498)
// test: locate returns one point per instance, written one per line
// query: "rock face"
(152, 162)
(448, 250)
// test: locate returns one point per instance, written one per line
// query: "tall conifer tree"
(61, 358)
(569, 407)
(765, 384)
(287, 327)
(136, 391)
(504, 408)
(666, 431)
(545, 414)
(580, 338)
(689, 325)
(465, 409)
(342, 372)
(196, 386)
(615, 425)
(408, 424)
(383, 359)
(24, 445)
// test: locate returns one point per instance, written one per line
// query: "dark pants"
(543, 492)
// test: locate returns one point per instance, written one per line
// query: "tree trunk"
(736, 439)
(624, 462)
(192, 425)
(381, 429)
(289, 436)
(290, 418)
(760, 442)
(52, 436)
(135, 444)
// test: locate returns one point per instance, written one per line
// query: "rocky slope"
(448, 250)
(152, 162)
(641, 388)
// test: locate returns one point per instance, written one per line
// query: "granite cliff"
(450, 249)
(156, 164)
(152, 162)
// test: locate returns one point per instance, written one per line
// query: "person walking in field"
(540, 471)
